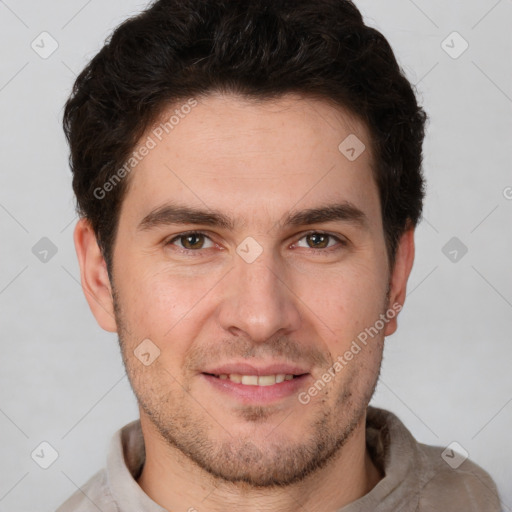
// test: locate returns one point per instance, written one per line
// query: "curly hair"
(260, 49)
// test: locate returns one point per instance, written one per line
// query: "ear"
(399, 276)
(94, 276)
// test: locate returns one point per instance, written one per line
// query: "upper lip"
(261, 369)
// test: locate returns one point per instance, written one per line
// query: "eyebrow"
(175, 214)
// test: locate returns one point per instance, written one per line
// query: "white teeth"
(255, 380)
(265, 380)
(250, 380)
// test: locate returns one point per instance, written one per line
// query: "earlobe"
(399, 276)
(94, 276)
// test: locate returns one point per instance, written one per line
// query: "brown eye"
(319, 240)
(192, 241)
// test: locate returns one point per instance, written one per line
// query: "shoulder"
(454, 481)
(90, 497)
(426, 478)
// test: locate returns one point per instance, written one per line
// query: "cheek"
(156, 310)
(163, 306)
(348, 297)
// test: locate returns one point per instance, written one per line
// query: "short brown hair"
(263, 49)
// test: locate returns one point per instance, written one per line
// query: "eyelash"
(342, 243)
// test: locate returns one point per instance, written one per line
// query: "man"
(248, 176)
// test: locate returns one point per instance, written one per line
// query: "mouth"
(257, 386)
(256, 380)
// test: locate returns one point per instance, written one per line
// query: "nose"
(258, 300)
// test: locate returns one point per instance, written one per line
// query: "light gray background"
(446, 372)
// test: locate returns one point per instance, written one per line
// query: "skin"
(255, 162)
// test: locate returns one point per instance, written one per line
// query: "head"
(245, 111)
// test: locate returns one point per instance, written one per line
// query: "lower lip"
(258, 394)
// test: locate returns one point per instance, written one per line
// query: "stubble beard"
(240, 459)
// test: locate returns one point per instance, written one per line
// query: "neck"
(173, 481)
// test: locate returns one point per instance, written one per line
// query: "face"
(242, 310)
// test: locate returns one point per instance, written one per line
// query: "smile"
(256, 380)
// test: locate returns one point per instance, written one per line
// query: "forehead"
(254, 160)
